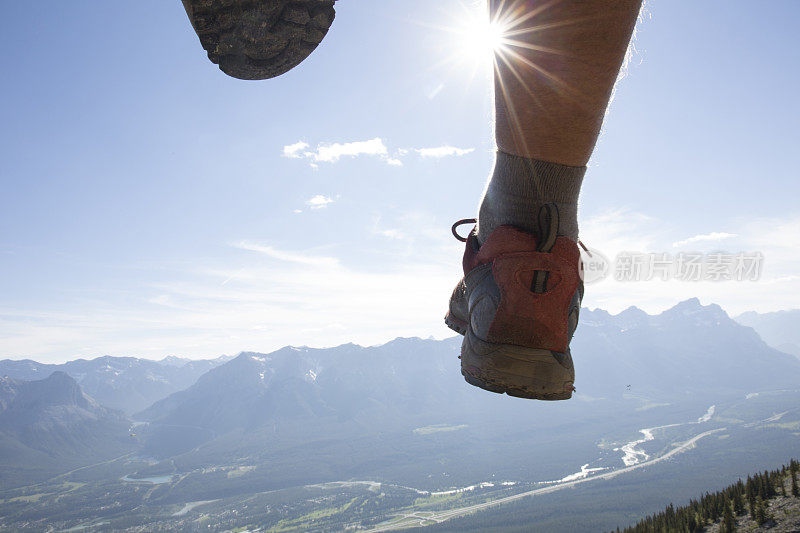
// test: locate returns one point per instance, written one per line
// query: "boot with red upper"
(517, 307)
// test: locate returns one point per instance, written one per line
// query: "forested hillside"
(768, 500)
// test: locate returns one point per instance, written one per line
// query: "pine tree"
(762, 514)
(691, 525)
(759, 511)
(795, 491)
(769, 488)
(734, 500)
(767, 514)
(716, 511)
(728, 522)
(738, 504)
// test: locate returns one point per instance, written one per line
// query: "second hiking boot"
(517, 307)
(259, 39)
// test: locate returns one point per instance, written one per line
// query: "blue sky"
(151, 206)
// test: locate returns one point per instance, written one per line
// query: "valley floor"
(633, 473)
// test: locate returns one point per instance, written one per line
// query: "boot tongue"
(510, 239)
(507, 239)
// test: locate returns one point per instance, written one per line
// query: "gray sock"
(518, 188)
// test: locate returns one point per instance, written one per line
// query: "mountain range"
(129, 384)
(688, 348)
(263, 403)
(778, 328)
(50, 424)
(232, 429)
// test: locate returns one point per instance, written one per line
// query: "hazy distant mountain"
(299, 383)
(129, 384)
(686, 349)
(689, 349)
(300, 394)
(52, 424)
(780, 329)
(260, 403)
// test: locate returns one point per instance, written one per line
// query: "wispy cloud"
(377, 148)
(714, 236)
(333, 152)
(296, 150)
(412, 233)
(391, 233)
(621, 230)
(287, 256)
(618, 230)
(232, 276)
(212, 305)
(319, 201)
(444, 151)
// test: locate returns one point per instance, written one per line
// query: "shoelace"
(461, 222)
(454, 230)
(548, 227)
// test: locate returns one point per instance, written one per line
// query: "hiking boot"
(517, 307)
(259, 39)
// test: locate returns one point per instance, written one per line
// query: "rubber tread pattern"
(259, 39)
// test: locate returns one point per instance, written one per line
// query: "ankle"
(520, 186)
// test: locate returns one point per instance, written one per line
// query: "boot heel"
(516, 370)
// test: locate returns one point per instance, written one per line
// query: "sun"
(480, 36)
(472, 42)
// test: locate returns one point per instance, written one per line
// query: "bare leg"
(553, 79)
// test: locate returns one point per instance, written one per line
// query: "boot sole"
(259, 39)
(456, 324)
(514, 370)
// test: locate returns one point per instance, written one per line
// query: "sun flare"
(474, 41)
(480, 36)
